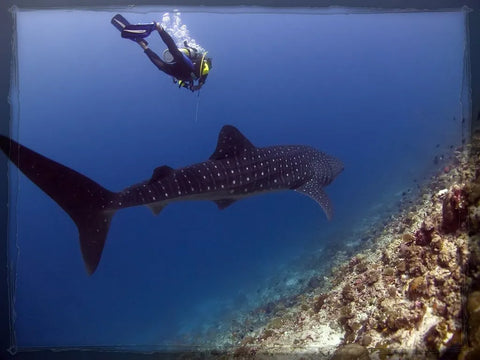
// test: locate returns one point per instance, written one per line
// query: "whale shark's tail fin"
(82, 199)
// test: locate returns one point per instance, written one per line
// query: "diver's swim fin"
(136, 33)
(119, 22)
(139, 31)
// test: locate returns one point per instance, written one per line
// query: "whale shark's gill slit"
(83, 200)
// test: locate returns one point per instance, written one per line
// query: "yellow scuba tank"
(204, 68)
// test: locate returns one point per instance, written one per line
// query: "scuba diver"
(188, 66)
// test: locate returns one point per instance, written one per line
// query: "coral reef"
(409, 289)
(351, 352)
(454, 210)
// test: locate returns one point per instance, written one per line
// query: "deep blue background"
(379, 91)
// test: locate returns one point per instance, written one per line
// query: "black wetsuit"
(183, 68)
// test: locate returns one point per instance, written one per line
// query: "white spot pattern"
(256, 170)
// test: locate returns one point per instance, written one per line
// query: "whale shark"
(237, 169)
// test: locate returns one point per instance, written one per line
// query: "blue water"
(378, 91)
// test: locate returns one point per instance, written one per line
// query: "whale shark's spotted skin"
(235, 170)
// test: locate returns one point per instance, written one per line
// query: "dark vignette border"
(6, 38)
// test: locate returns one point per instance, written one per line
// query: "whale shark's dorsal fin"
(231, 143)
(160, 172)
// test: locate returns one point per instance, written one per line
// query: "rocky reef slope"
(413, 292)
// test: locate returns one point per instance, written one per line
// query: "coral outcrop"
(410, 290)
(454, 210)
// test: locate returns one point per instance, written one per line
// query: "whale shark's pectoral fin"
(224, 203)
(314, 190)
